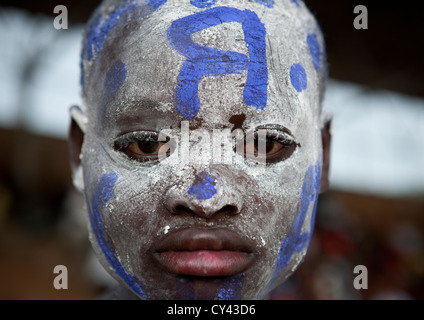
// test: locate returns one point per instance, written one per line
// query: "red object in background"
(336, 242)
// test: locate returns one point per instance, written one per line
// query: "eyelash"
(279, 136)
(137, 136)
(123, 144)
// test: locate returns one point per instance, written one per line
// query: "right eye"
(141, 146)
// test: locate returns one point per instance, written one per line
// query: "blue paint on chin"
(231, 290)
(207, 61)
(103, 193)
(314, 49)
(203, 187)
(296, 240)
(184, 289)
(298, 77)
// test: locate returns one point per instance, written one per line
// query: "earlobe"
(75, 141)
(326, 144)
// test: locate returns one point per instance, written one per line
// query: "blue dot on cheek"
(314, 49)
(298, 77)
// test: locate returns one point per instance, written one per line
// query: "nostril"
(225, 210)
(180, 209)
(228, 209)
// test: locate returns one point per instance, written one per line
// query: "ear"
(326, 143)
(75, 141)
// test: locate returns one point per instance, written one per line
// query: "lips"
(204, 252)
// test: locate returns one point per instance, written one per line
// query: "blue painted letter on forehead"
(207, 61)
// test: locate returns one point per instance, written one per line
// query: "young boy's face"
(175, 218)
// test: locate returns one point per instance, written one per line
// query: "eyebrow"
(124, 110)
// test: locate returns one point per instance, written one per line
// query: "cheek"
(99, 207)
(297, 237)
(134, 216)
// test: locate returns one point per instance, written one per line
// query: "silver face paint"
(138, 209)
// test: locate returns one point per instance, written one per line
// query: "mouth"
(204, 252)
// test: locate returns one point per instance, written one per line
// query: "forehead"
(250, 58)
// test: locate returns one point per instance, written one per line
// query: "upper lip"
(193, 239)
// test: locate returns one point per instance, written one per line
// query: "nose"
(213, 199)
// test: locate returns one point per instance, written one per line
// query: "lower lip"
(206, 263)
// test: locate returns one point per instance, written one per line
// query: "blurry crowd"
(354, 230)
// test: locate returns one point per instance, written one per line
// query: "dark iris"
(269, 145)
(148, 146)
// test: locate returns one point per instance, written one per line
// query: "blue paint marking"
(296, 240)
(98, 29)
(296, 3)
(207, 61)
(266, 3)
(203, 3)
(101, 196)
(209, 3)
(115, 78)
(82, 78)
(203, 188)
(184, 288)
(314, 49)
(298, 77)
(232, 288)
(156, 4)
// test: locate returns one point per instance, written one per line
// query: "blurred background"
(373, 214)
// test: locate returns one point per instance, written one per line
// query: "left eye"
(146, 147)
(140, 146)
(273, 147)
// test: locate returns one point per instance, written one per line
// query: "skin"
(133, 204)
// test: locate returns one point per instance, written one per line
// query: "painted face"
(179, 207)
